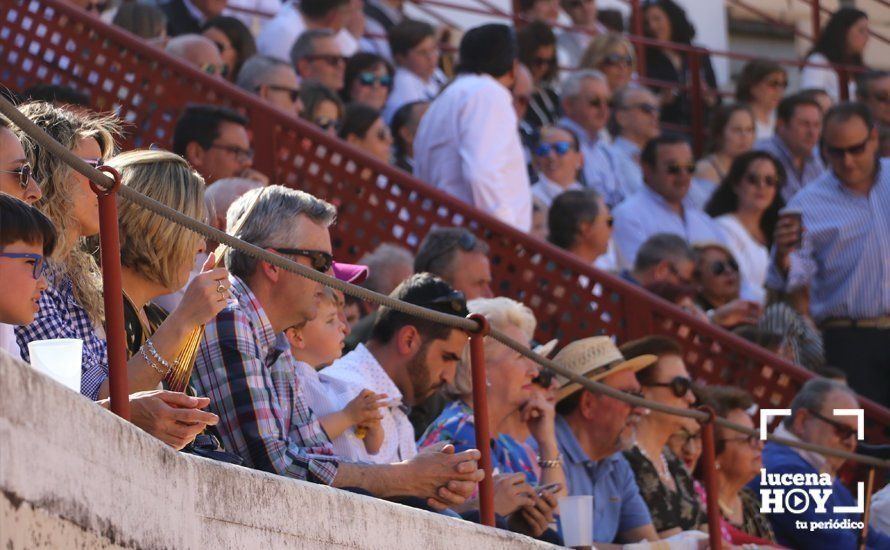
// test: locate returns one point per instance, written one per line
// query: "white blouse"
(753, 257)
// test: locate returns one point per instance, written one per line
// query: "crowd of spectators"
(777, 232)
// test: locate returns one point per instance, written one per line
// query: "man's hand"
(172, 417)
(534, 519)
(786, 238)
(511, 492)
(441, 476)
(737, 312)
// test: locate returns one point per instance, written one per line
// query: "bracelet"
(157, 356)
(556, 463)
(151, 363)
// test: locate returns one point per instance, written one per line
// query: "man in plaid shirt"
(245, 366)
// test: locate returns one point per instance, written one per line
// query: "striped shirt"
(248, 373)
(845, 254)
(796, 180)
(61, 316)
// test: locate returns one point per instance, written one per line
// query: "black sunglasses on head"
(679, 385)
(321, 261)
(455, 300)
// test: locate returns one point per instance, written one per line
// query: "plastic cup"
(576, 520)
(60, 359)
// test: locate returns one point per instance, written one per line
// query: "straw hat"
(594, 358)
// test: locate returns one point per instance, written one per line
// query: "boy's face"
(323, 336)
(20, 307)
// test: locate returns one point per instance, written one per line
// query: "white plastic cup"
(576, 520)
(60, 359)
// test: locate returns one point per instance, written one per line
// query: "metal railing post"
(113, 295)
(636, 28)
(696, 101)
(843, 82)
(815, 18)
(480, 418)
(709, 460)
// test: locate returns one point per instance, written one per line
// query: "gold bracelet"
(556, 463)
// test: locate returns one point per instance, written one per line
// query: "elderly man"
(273, 80)
(873, 89)
(841, 253)
(659, 207)
(199, 51)
(295, 18)
(663, 258)
(585, 102)
(316, 55)
(466, 144)
(558, 161)
(388, 264)
(635, 112)
(246, 364)
(798, 125)
(592, 430)
(814, 420)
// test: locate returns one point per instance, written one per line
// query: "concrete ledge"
(73, 475)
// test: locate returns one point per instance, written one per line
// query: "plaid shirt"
(248, 373)
(61, 316)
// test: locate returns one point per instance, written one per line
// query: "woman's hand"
(364, 409)
(511, 492)
(540, 415)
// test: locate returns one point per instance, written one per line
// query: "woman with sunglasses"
(537, 51)
(612, 55)
(761, 86)
(665, 484)
(731, 133)
(368, 80)
(719, 287)
(234, 41)
(747, 205)
(738, 461)
(321, 106)
(510, 392)
(364, 128)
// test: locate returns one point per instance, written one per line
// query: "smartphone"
(551, 488)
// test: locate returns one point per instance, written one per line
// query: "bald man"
(199, 51)
(219, 196)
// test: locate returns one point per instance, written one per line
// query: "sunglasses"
(677, 169)
(330, 59)
(679, 385)
(777, 83)
(617, 59)
(560, 147)
(294, 93)
(646, 108)
(757, 181)
(369, 79)
(213, 69)
(719, 267)
(321, 261)
(24, 173)
(842, 431)
(752, 440)
(543, 379)
(455, 300)
(325, 123)
(38, 267)
(841, 152)
(542, 61)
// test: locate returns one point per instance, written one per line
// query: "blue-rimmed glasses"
(560, 147)
(369, 79)
(38, 266)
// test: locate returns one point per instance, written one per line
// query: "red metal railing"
(51, 41)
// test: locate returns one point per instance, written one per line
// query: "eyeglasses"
(37, 268)
(881, 97)
(24, 173)
(677, 169)
(369, 79)
(293, 92)
(679, 385)
(213, 68)
(719, 267)
(330, 59)
(754, 179)
(752, 440)
(542, 61)
(561, 148)
(543, 379)
(778, 83)
(241, 154)
(454, 300)
(325, 123)
(618, 59)
(688, 437)
(598, 102)
(321, 261)
(841, 152)
(842, 431)
(646, 108)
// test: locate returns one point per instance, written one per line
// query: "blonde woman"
(510, 390)
(157, 257)
(612, 55)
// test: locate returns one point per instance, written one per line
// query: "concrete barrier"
(73, 475)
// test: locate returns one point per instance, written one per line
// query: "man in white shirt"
(558, 161)
(466, 144)
(416, 53)
(407, 359)
(316, 55)
(659, 207)
(281, 32)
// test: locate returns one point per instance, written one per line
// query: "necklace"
(664, 473)
(729, 512)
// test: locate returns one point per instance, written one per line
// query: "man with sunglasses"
(593, 429)
(660, 207)
(838, 251)
(199, 51)
(317, 56)
(813, 420)
(273, 80)
(634, 122)
(281, 33)
(245, 361)
(558, 161)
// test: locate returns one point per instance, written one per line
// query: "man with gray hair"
(317, 56)
(634, 121)
(663, 258)
(220, 196)
(245, 362)
(199, 51)
(585, 104)
(273, 80)
(816, 418)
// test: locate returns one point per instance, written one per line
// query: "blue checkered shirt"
(249, 375)
(61, 316)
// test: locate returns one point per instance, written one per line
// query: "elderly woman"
(612, 55)
(510, 390)
(664, 482)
